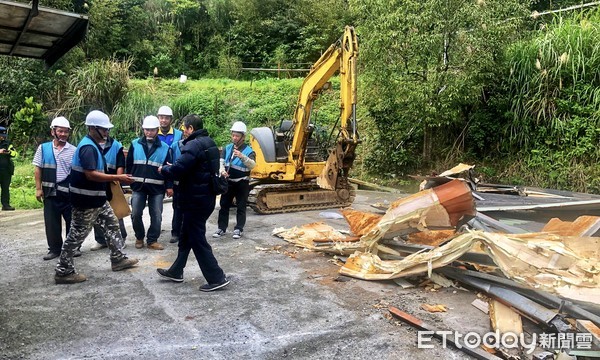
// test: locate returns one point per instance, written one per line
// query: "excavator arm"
(339, 56)
(342, 156)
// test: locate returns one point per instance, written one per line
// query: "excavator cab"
(283, 137)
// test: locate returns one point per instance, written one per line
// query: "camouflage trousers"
(82, 222)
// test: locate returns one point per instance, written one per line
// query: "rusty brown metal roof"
(27, 30)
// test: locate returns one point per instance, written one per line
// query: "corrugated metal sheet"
(37, 32)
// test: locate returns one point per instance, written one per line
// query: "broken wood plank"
(434, 308)
(347, 239)
(589, 327)
(365, 185)
(477, 353)
(403, 283)
(504, 319)
(481, 305)
(441, 280)
(582, 226)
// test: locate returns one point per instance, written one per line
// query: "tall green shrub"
(551, 129)
(553, 77)
(97, 85)
(425, 68)
(29, 126)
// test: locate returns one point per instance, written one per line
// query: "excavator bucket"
(328, 178)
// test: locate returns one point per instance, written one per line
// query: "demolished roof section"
(438, 208)
(540, 261)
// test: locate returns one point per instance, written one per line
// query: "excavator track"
(292, 197)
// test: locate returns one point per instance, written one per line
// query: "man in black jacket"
(195, 169)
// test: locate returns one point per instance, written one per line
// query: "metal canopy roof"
(38, 32)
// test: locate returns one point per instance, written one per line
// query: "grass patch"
(22, 186)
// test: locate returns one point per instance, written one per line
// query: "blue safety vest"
(177, 135)
(234, 163)
(111, 156)
(145, 170)
(87, 194)
(48, 166)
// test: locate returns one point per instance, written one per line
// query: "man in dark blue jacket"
(195, 169)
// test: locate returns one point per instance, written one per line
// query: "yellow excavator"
(289, 174)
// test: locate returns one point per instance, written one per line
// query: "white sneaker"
(219, 233)
(237, 233)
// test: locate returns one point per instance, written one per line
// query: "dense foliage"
(553, 84)
(427, 68)
(481, 81)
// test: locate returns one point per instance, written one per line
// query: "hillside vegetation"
(510, 86)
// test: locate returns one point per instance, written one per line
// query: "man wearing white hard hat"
(52, 161)
(88, 193)
(238, 159)
(115, 164)
(167, 133)
(144, 157)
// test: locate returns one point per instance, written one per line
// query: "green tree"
(106, 29)
(426, 67)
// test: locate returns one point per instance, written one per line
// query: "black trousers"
(56, 207)
(177, 221)
(238, 190)
(193, 237)
(5, 177)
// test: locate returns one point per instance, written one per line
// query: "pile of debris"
(551, 277)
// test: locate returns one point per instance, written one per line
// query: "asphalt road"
(283, 302)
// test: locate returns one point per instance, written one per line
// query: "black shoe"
(77, 253)
(174, 239)
(164, 273)
(51, 255)
(8, 208)
(213, 287)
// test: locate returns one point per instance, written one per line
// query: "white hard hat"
(151, 122)
(239, 126)
(98, 118)
(60, 121)
(165, 110)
